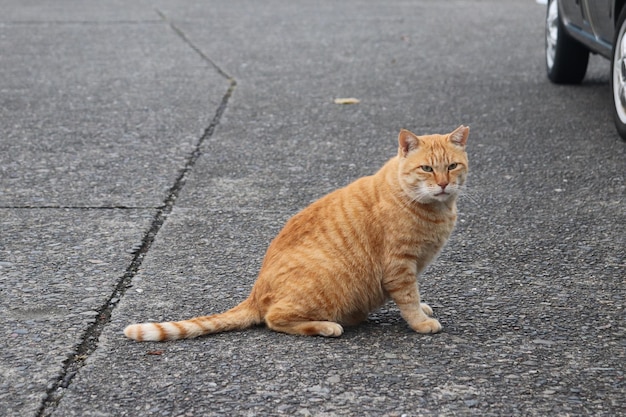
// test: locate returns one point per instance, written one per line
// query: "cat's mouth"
(442, 196)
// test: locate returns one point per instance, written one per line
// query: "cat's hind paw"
(330, 329)
(307, 328)
(427, 326)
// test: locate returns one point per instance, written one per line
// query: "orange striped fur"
(349, 252)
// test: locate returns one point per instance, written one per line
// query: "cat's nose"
(443, 185)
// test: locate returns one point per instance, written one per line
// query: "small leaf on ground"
(347, 100)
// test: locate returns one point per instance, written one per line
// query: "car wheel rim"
(619, 76)
(552, 32)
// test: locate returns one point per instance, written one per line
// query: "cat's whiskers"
(467, 192)
(417, 196)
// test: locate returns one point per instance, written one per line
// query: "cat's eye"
(426, 168)
(452, 166)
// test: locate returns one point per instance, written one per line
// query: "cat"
(347, 253)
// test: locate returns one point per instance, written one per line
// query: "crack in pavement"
(184, 37)
(92, 334)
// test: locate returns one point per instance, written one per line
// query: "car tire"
(618, 75)
(566, 58)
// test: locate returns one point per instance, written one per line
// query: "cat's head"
(432, 168)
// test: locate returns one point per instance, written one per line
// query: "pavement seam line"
(91, 336)
(78, 22)
(60, 207)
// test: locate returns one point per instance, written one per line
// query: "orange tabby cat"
(349, 252)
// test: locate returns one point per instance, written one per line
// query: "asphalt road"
(150, 150)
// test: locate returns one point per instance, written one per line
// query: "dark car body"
(574, 28)
(591, 22)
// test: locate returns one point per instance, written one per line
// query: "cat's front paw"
(427, 326)
(426, 309)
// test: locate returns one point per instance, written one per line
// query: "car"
(575, 28)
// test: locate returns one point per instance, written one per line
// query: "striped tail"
(240, 317)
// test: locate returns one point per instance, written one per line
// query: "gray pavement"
(150, 150)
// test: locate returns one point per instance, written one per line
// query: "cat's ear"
(407, 142)
(459, 136)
